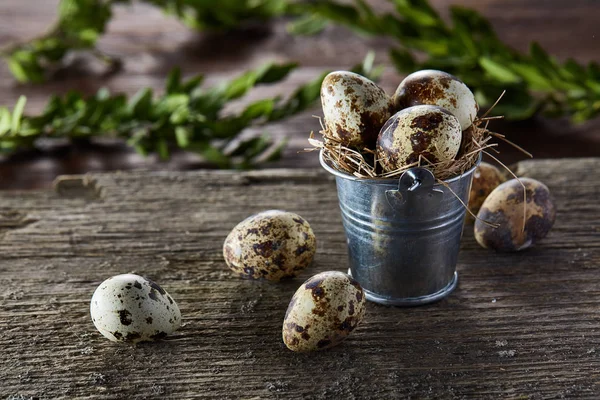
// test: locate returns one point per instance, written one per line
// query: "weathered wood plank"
(521, 325)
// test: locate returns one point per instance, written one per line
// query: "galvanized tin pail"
(403, 234)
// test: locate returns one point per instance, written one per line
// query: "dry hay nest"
(364, 163)
(477, 140)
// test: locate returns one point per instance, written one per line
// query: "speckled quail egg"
(131, 308)
(427, 131)
(504, 207)
(323, 312)
(272, 244)
(486, 178)
(438, 88)
(354, 108)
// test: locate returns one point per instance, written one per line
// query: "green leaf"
(170, 103)
(498, 71)
(174, 81)
(212, 155)
(17, 114)
(421, 5)
(540, 57)
(5, 122)
(435, 47)
(258, 109)
(307, 25)
(180, 116)
(416, 15)
(182, 134)
(140, 104)
(20, 73)
(269, 73)
(162, 148)
(192, 84)
(533, 76)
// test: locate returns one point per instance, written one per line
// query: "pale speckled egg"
(272, 244)
(130, 308)
(504, 207)
(486, 178)
(427, 131)
(441, 89)
(323, 312)
(354, 108)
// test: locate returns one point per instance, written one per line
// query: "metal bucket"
(403, 234)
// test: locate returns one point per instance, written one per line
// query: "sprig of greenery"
(186, 116)
(224, 15)
(81, 22)
(469, 48)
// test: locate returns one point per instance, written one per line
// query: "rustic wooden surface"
(150, 44)
(519, 326)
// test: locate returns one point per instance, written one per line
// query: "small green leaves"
(497, 71)
(17, 114)
(186, 116)
(81, 23)
(4, 121)
(140, 104)
(268, 73)
(470, 49)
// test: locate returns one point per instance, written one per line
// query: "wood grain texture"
(519, 326)
(150, 44)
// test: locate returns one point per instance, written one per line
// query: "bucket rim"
(347, 176)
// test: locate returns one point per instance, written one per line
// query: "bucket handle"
(415, 187)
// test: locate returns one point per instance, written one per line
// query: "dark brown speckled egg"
(323, 312)
(504, 207)
(427, 132)
(272, 244)
(441, 89)
(354, 108)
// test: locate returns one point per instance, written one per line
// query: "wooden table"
(519, 326)
(150, 44)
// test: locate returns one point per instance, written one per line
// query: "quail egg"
(486, 178)
(504, 207)
(131, 308)
(323, 312)
(438, 88)
(354, 108)
(427, 131)
(272, 244)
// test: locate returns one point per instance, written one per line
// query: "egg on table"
(272, 244)
(130, 308)
(486, 178)
(504, 207)
(425, 131)
(441, 89)
(354, 108)
(323, 312)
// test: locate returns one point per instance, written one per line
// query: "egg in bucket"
(402, 191)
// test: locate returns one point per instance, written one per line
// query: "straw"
(356, 163)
